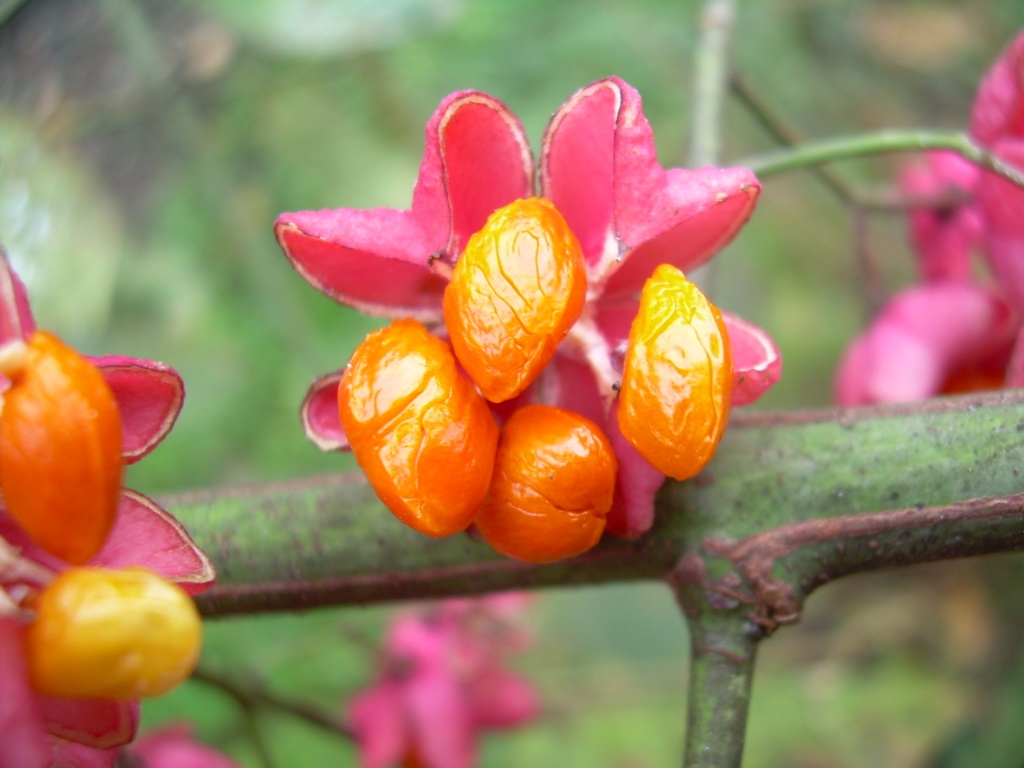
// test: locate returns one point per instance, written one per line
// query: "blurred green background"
(146, 147)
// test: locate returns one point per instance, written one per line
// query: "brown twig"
(835, 547)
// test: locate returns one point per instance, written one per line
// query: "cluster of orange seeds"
(416, 415)
(94, 632)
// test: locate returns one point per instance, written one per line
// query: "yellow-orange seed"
(112, 634)
(515, 292)
(677, 376)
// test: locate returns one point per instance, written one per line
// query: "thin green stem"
(721, 672)
(783, 132)
(870, 275)
(250, 698)
(257, 738)
(247, 704)
(866, 144)
(710, 87)
(710, 84)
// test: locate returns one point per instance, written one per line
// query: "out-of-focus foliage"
(314, 29)
(146, 147)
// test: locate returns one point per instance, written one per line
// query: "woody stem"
(721, 672)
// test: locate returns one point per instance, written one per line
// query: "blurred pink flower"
(82, 732)
(943, 238)
(937, 338)
(442, 681)
(173, 747)
(951, 334)
(998, 110)
(598, 165)
(997, 122)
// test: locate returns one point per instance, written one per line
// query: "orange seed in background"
(60, 450)
(677, 376)
(554, 480)
(514, 294)
(419, 429)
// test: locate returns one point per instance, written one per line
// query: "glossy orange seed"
(60, 450)
(554, 479)
(419, 429)
(514, 294)
(677, 376)
(112, 634)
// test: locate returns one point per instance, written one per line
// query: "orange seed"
(677, 376)
(554, 479)
(60, 450)
(419, 429)
(514, 294)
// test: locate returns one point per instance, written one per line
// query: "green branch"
(862, 145)
(722, 652)
(789, 502)
(328, 541)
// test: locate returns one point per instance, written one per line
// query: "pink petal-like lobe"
(24, 743)
(501, 699)
(16, 321)
(577, 167)
(475, 160)
(756, 361)
(441, 722)
(148, 536)
(632, 512)
(68, 754)
(319, 414)
(700, 212)
(887, 365)
(149, 398)
(599, 166)
(91, 722)
(377, 261)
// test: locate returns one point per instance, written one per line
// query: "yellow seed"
(112, 634)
